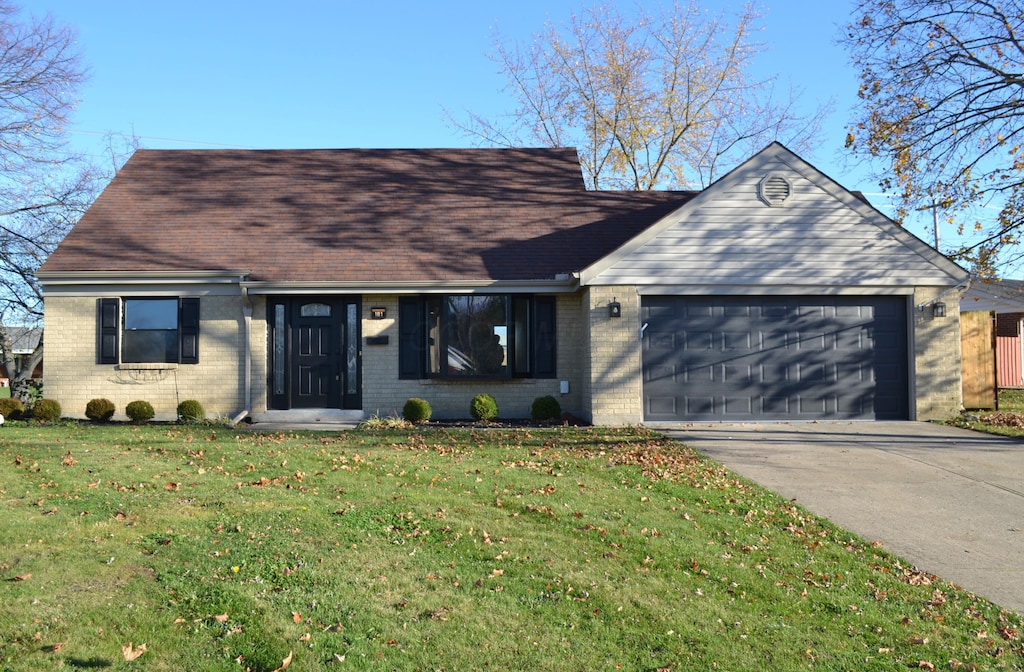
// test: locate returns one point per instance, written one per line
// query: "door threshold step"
(326, 416)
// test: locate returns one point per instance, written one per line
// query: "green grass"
(1007, 421)
(562, 549)
(1011, 400)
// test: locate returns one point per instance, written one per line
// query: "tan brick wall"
(614, 376)
(936, 382)
(605, 387)
(73, 377)
(384, 394)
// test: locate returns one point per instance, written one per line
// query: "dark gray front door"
(314, 352)
(317, 340)
(777, 358)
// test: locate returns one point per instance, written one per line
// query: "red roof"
(356, 215)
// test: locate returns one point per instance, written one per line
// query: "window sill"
(477, 380)
(148, 366)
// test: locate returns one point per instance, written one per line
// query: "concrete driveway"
(949, 500)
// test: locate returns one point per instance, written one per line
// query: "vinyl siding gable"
(821, 236)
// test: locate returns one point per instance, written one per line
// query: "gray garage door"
(787, 358)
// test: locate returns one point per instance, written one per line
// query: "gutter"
(247, 349)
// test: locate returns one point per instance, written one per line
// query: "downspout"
(246, 346)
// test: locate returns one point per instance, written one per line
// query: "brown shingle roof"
(356, 215)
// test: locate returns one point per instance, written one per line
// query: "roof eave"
(562, 284)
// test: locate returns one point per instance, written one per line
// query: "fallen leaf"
(285, 663)
(305, 637)
(925, 665)
(296, 617)
(58, 646)
(221, 618)
(171, 487)
(22, 577)
(131, 653)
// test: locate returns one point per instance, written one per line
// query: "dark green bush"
(546, 408)
(416, 410)
(12, 408)
(483, 407)
(191, 410)
(139, 411)
(99, 410)
(46, 410)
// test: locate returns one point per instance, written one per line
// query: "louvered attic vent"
(775, 190)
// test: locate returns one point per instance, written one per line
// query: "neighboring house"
(268, 282)
(24, 341)
(1005, 298)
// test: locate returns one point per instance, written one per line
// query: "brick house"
(273, 283)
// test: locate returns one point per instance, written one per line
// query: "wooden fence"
(978, 359)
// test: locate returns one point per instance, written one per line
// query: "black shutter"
(544, 337)
(109, 325)
(188, 331)
(411, 342)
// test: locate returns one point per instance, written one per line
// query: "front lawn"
(1007, 421)
(194, 548)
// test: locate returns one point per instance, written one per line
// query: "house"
(24, 341)
(267, 282)
(1005, 298)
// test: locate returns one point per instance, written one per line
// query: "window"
(149, 330)
(477, 336)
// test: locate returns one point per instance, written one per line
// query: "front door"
(314, 352)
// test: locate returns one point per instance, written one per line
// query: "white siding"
(822, 236)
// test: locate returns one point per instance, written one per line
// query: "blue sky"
(368, 74)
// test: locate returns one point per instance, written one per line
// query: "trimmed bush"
(483, 408)
(416, 410)
(546, 408)
(12, 408)
(191, 410)
(46, 410)
(139, 411)
(99, 410)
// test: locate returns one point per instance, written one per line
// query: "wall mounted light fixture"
(614, 309)
(938, 309)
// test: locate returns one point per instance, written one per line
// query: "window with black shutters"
(469, 336)
(149, 330)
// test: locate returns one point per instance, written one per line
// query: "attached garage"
(742, 358)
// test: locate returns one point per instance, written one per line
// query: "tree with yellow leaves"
(649, 100)
(941, 86)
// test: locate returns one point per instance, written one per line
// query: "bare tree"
(942, 85)
(43, 186)
(650, 101)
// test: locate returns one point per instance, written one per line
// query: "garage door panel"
(699, 406)
(737, 406)
(662, 406)
(776, 358)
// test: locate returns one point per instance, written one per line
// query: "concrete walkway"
(949, 500)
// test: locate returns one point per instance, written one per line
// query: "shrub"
(416, 410)
(139, 411)
(483, 407)
(191, 410)
(12, 408)
(377, 421)
(546, 408)
(46, 410)
(99, 410)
